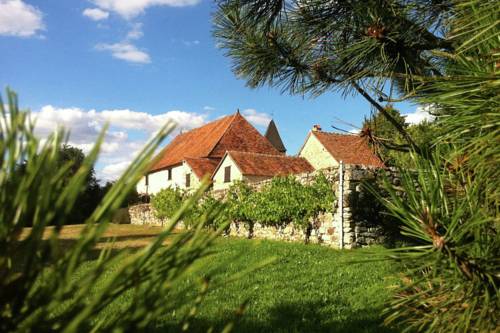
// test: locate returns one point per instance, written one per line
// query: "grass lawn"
(308, 288)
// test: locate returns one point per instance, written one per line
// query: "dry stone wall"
(354, 220)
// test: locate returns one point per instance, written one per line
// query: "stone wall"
(322, 233)
(353, 222)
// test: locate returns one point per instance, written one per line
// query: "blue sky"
(137, 63)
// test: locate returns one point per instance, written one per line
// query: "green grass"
(308, 288)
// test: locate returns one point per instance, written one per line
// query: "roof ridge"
(263, 154)
(337, 134)
(225, 131)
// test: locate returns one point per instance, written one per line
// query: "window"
(169, 174)
(227, 174)
(147, 180)
(188, 180)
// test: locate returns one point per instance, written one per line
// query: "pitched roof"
(242, 136)
(213, 140)
(350, 149)
(203, 166)
(273, 136)
(253, 164)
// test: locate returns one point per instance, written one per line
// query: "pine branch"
(389, 117)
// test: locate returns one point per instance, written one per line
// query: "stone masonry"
(353, 223)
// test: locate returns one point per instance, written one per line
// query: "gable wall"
(218, 178)
(316, 154)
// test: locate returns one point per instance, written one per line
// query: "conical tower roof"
(273, 136)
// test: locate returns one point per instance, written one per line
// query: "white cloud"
(114, 170)
(191, 42)
(208, 108)
(131, 8)
(256, 118)
(135, 32)
(355, 131)
(19, 19)
(125, 51)
(421, 114)
(95, 14)
(119, 146)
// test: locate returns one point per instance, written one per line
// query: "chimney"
(316, 128)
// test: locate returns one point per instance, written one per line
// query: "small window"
(188, 180)
(147, 180)
(169, 174)
(227, 174)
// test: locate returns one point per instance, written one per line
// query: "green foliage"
(241, 203)
(217, 211)
(283, 201)
(41, 288)
(450, 203)
(131, 199)
(92, 194)
(389, 145)
(167, 202)
(322, 196)
(455, 263)
(315, 46)
(439, 53)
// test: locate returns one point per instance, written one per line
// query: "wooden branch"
(388, 116)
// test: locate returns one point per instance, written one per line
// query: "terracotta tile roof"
(203, 166)
(350, 149)
(213, 140)
(242, 136)
(252, 164)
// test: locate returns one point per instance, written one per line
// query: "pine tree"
(444, 53)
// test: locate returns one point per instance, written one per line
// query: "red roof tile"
(213, 140)
(350, 149)
(252, 164)
(242, 136)
(203, 166)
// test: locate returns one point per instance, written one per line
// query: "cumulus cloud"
(131, 8)
(125, 51)
(20, 19)
(95, 14)
(421, 114)
(119, 147)
(114, 170)
(256, 118)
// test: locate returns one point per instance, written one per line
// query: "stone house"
(325, 150)
(255, 167)
(231, 149)
(196, 154)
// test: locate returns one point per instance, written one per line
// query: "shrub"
(167, 202)
(41, 285)
(240, 204)
(283, 201)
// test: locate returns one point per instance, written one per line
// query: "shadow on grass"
(288, 317)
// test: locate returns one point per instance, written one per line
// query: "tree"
(443, 53)
(375, 48)
(387, 144)
(92, 192)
